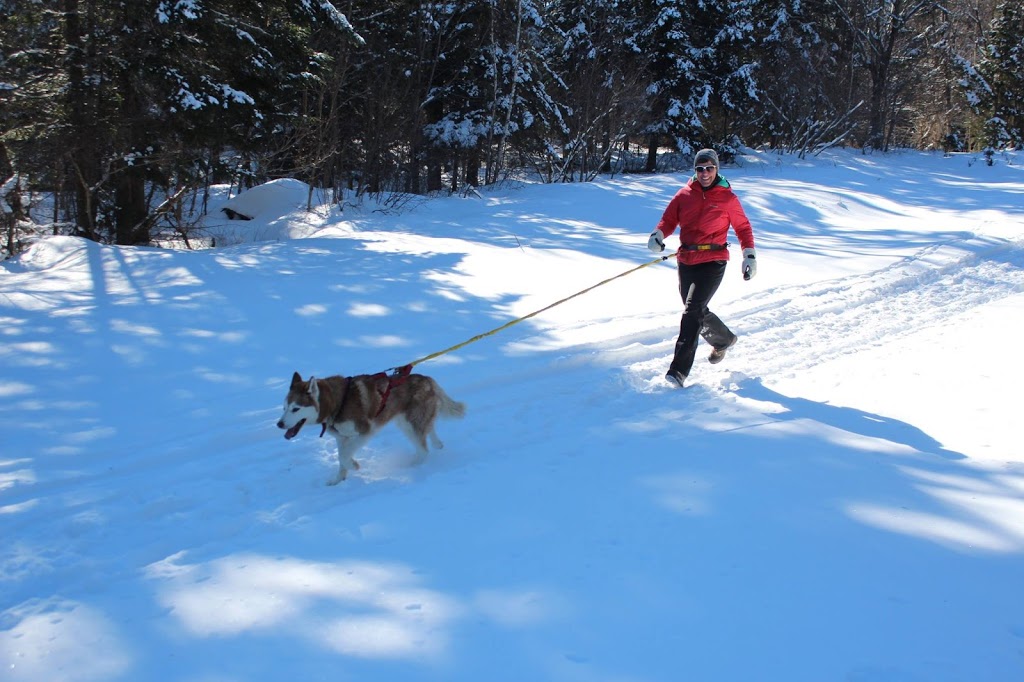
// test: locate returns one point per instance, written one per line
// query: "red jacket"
(703, 217)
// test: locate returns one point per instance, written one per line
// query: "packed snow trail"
(799, 328)
(790, 329)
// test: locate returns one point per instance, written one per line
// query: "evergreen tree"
(996, 86)
(805, 106)
(489, 92)
(679, 92)
(29, 86)
(222, 75)
(146, 91)
(601, 69)
(703, 75)
(737, 28)
(522, 90)
(389, 83)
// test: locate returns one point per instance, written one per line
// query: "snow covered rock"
(267, 200)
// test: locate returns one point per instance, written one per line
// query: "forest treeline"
(119, 110)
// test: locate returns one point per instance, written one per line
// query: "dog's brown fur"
(352, 409)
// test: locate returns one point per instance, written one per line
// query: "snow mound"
(273, 211)
(49, 253)
(267, 200)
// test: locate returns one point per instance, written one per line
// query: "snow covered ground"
(842, 499)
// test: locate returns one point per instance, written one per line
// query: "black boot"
(718, 354)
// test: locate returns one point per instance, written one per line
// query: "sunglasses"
(703, 169)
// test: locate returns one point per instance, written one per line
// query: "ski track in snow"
(847, 315)
(791, 329)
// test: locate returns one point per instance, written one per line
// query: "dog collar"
(341, 406)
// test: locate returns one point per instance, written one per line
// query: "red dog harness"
(396, 379)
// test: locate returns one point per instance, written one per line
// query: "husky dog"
(352, 409)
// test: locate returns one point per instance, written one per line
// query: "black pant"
(697, 284)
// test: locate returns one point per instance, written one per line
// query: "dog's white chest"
(344, 429)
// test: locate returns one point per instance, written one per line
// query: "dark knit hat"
(706, 156)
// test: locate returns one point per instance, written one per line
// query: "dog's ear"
(314, 389)
(296, 381)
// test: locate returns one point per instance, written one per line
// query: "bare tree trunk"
(652, 155)
(434, 110)
(83, 154)
(130, 214)
(131, 223)
(10, 185)
(472, 174)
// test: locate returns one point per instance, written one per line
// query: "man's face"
(706, 174)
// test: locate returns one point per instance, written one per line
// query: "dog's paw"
(339, 478)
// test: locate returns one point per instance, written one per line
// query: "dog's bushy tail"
(449, 407)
